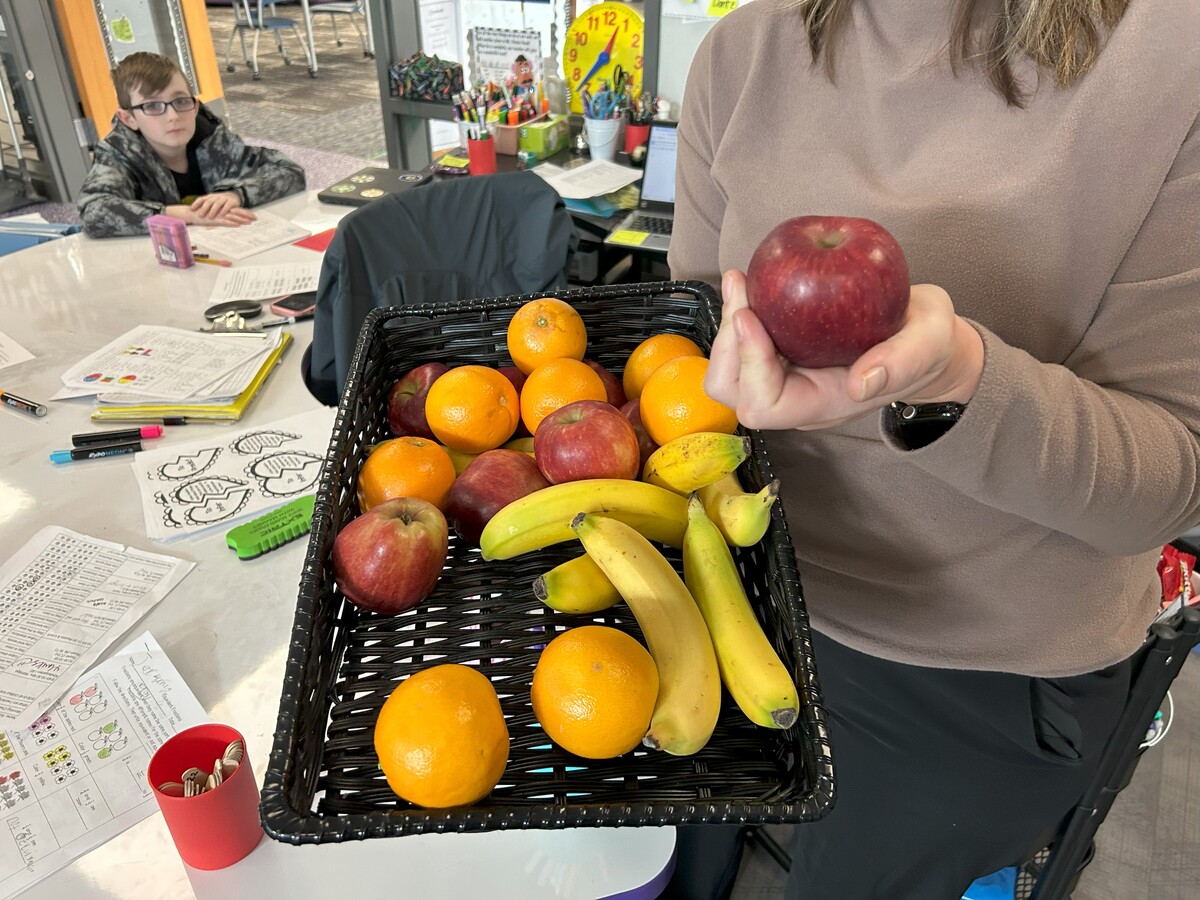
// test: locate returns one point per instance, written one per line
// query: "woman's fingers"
(724, 363)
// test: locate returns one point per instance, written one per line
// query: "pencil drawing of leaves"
(257, 441)
(189, 465)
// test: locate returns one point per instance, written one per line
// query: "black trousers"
(941, 776)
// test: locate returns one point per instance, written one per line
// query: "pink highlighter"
(171, 244)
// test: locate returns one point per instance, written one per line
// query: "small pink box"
(172, 247)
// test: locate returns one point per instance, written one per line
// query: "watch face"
(604, 43)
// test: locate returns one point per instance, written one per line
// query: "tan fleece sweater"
(1025, 539)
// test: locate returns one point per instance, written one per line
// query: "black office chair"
(467, 238)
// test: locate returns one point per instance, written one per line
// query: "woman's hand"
(222, 208)
(936, 357)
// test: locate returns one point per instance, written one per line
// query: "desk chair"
(352, 10)
(253, 19)
(1054, 871)
(461, 239)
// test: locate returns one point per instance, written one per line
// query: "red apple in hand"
(494, 479)
(406, 401)
(389, 558)
(828, 288)
(586, 439)
(646, 444)
(612, 384)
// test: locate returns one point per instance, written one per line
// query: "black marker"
(65, 456)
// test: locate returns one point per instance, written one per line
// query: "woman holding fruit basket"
(977, 577)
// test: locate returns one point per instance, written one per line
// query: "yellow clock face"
(602, 43)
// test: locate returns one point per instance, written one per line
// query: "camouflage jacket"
(128, 182)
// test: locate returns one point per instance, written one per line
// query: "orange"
(673, 402)
(405, 467)
(543, 330)
(594, 691)
(555, 384)
(649, 355)
(441, 738)
(472, 408)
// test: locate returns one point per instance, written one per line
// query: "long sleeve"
(260, 174)
(109, 205)
(1106, 447)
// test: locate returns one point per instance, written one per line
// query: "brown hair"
(1061, 36)
(146, 73)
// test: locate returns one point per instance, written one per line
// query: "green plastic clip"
(276, 528)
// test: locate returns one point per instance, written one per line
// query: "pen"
(64, 456)
(123, 436)
(25, 406)
(213, 262)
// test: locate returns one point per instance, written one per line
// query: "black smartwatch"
(918, 425)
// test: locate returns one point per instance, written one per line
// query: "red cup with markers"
(481, 152)
(202, 781)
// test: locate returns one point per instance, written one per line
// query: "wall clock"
(603, 40)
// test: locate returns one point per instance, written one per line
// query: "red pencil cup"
(635, 136)
(217, 828)
(482, 155)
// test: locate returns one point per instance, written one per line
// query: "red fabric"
(1175, 571)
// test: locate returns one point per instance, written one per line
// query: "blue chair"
(352, 10)
(253, 19)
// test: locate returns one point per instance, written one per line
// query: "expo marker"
(65, 456)
(25, 406)
(124, 436)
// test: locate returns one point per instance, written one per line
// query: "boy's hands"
(222, 208)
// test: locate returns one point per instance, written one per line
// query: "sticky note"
(719, 8)
(454, 162)
(624, 236)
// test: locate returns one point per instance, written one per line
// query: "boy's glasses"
(159, 107)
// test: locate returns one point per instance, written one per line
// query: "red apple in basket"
(586, 439)
(646, 444)
(406, 401)
(494, 479)
(517, 377)
(828, 288)
(612, 384)
(389, 558)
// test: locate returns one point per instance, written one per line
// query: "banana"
(752, 672)
(576, 586)
(742, 518)
(689, 692)
(543, 518)
(694, 460)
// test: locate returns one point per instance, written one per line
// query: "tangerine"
(673, 402)
(557, 383)
(594, 691)
(405, 467)
(649, 355)
(543, 330)
(441, 737)
(472, 408)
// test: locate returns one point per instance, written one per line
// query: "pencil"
(213, 262)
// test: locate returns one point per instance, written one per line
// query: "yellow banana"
(543, 518)
(742, 518)
(689, 684)
(576, 586)
(688, 463)
(754, 675)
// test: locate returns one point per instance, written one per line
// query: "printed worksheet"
(189, 488)
(589, 180)
(265, 232)
(64, 598)
(265, 282)
(77, 776)
(11, 352)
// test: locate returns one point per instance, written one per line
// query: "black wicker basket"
(323, 782)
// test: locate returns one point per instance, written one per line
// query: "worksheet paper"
(190, 488)
(156, 361)
(11, 352)
(265, 232)
(589, 180)
(77, 777)
(64, 598)
(265, 282)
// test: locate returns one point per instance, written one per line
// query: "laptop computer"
(649, 226)
(369, 184)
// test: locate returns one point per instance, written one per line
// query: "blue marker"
(66, 456)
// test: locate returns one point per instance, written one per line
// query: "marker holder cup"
(217, 828)
(635, 136)
(482, 154)
(602, 137)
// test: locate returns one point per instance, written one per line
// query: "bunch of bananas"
(701, 629)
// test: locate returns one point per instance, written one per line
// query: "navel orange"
(545, 329)
(405, 467)
(472, 408)
(673, 402)
(649, 355)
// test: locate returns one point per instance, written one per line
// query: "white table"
(226, 627)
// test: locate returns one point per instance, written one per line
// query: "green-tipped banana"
(688, 463)
(543, 518)
(742, 518)
(750, 668)
(576, 586)
(689, 684)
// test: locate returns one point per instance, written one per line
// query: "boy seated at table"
(168, 153)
